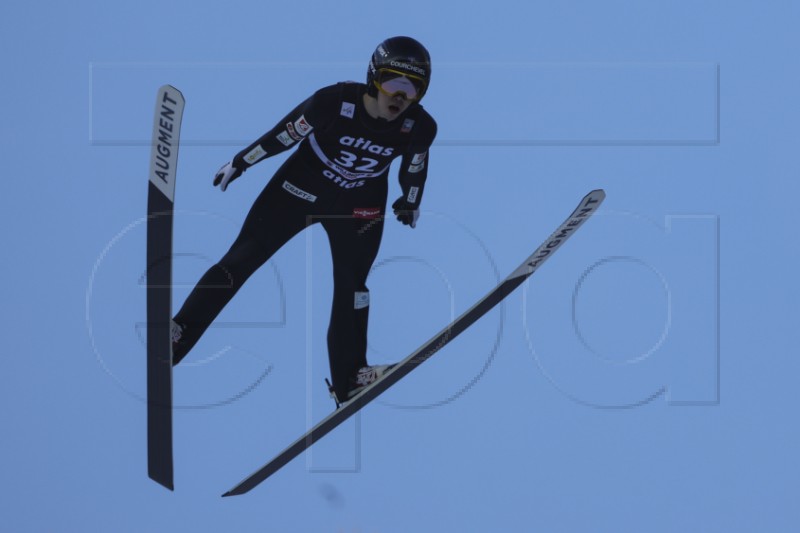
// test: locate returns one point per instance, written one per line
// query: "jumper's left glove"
(226, 174)
(406, 213)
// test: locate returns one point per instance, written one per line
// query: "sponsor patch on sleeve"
(361, 300)
(254, 155)
(348, 109)
(285, 139)
(413, 192)
(302, 127)
(416, 168)
(292, 133)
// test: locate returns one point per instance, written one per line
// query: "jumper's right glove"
(406, 213)
(227, 174)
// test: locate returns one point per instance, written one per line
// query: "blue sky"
(643, 380)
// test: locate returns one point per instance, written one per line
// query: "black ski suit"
(337, 177)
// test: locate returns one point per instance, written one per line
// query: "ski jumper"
(337, 177)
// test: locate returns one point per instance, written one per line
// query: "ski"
(585, 209)
(160, 201)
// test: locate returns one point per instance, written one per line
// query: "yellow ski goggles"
(393, 82)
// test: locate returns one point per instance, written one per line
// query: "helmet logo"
(408, 66)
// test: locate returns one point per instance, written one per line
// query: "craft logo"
(300, 193)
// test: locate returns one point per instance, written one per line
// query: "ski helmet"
(400, 54)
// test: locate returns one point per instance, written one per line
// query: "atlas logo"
(365, 144)
(340, 181)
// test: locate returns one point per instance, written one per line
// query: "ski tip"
(598, 193)
(168, 88)
(238, 490)
(595, 198)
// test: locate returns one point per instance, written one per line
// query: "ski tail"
(585, 209)
(160, 204)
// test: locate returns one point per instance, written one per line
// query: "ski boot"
(366, 376)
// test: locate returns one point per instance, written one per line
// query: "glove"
(406, 213)
(226, 174)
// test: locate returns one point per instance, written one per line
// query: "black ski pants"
(293, 200)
